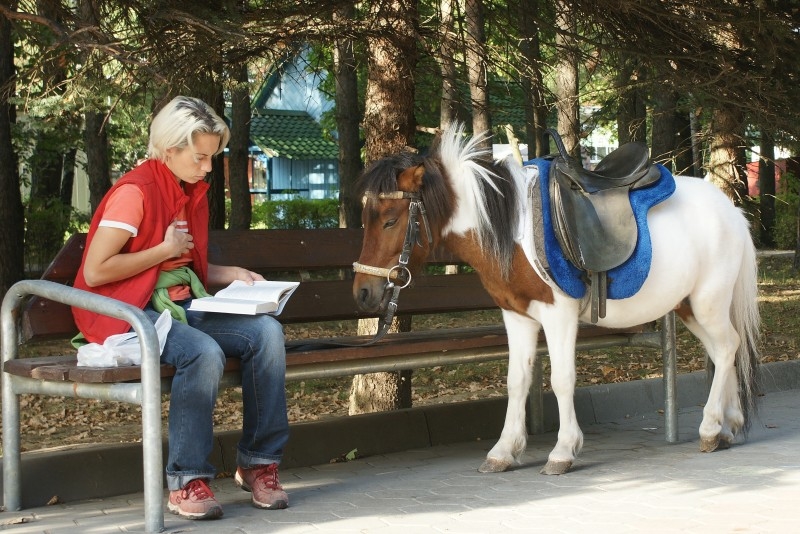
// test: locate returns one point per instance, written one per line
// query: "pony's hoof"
(717, 443)
(493, 465)
(555, 468)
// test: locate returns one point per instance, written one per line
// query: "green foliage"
(41, 244)
(787, 205)
(786, 209)
(297, 212)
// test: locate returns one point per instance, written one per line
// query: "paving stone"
(627, 479)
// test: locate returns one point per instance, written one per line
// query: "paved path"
(626, 480)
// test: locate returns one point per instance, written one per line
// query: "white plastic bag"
(122, 349)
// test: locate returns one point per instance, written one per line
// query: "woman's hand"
(176, 242)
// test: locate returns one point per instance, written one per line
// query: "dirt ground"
(57, 421)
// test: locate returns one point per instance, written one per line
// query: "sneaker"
(194, 501)
(263, 482)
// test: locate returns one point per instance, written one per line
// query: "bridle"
(398, 277)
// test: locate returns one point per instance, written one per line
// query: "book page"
(264, 296)
(262, 290)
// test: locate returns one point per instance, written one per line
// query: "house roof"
(290, 134)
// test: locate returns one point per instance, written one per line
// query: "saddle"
(591, 213)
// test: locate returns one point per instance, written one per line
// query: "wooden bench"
(34, 310)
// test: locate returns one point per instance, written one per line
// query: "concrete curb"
(96, 471)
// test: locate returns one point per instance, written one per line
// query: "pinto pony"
(702, 265)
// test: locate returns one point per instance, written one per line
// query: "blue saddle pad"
(625, 280)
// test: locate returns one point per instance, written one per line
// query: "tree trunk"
(13, 219)
(796, 259)
(380, 392)
(238, 151)
(448, 112)
(347, 120)
(724, 168)
(389, 123)
(631, 113)
(766, 185)
(532, 79)
(67, 177)
(389, 127)
(211, 93)
(476, 71)
(663, 144)
(697, 143)
(567, 102)
(684, 146)
(95, 133)
(98, 168)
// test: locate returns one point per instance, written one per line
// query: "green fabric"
(78, 341)
(176, 277)
(160, 300)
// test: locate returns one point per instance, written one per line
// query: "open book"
(262, 297)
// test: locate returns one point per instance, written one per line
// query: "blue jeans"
(197, 351)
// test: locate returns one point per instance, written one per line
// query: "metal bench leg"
(535, 399)
(670, 355)
(12, 479)
(151, 444)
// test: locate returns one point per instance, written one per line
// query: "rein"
(398, 277)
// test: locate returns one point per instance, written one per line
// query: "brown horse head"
(395, 189)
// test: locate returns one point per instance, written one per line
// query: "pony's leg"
(523, 333)
(561, 329)
(722, 414)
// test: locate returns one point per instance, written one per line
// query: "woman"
(147, 246)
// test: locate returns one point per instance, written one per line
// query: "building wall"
(285, 178)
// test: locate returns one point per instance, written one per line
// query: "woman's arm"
(105, 264)
(222, 275)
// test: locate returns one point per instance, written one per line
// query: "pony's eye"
(388, 224)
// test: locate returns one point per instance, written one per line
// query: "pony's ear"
(411, 179)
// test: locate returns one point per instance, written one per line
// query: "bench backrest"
(314, 256)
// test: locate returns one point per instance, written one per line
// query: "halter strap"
(399, 272)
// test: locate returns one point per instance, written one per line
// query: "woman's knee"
(268, 332)
(188, 348)
(269, 344)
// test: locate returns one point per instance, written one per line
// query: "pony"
(702, 265)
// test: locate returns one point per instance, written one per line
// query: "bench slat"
(64, 368)
(313, 301)
(291, 250)
(305, 352)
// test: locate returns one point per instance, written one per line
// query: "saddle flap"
(597, 231)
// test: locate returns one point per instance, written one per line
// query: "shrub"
(43, 236)
(297, 212)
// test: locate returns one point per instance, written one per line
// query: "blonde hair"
(177, 122)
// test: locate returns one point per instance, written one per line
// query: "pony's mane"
(457, 170)
(381, 177)
(486, 191)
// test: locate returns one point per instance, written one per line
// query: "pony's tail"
(747, 322)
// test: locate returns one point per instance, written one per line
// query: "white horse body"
(703, 264)
(691, 233)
